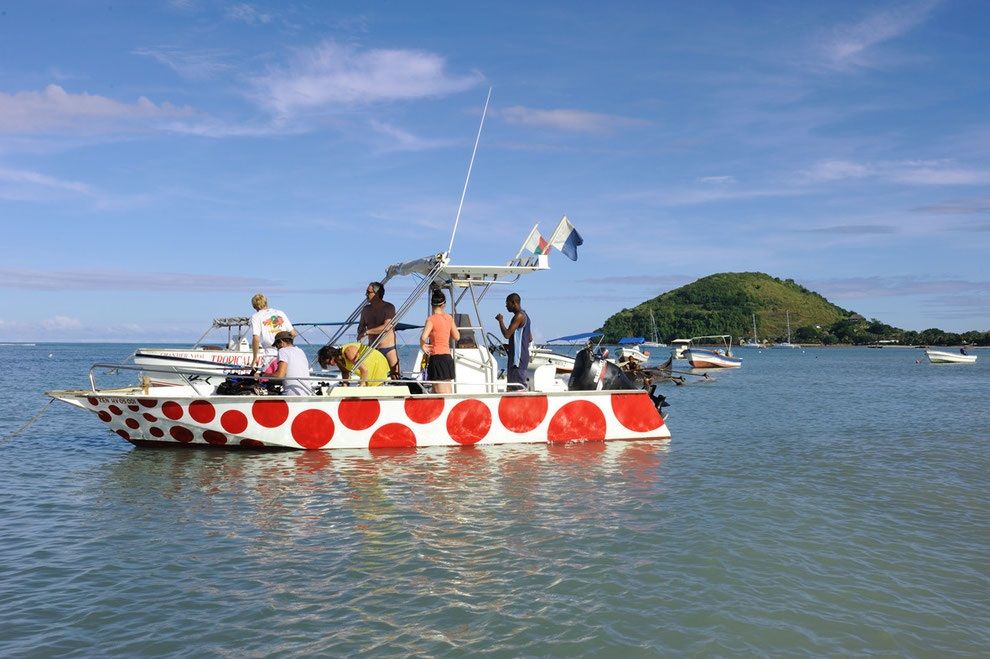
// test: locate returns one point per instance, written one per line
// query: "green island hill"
(724, 303)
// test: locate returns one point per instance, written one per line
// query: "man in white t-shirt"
(292, 363)
(265, 324)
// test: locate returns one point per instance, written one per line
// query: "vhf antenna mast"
(474, 152)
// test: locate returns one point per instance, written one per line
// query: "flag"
(566, 239)
(536, 243)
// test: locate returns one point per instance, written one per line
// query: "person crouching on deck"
(292, 363)
(439, 329)
(372, 371)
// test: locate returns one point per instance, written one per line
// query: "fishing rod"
(467, 179)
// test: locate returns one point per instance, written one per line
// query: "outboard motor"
(593, 372)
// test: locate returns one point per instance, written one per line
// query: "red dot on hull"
(132, 424)
(181, 434)
(423, 410)
(522, 413)
(172, 410)
(358, 414)
(156, 432)
(270, 413)
(636, 412)
(233, 422)
(469, 421)
(104, 416)
(312, 429)
(393, 435)
(115, 410)
(202, 411)
(214, 437)
(577, 420)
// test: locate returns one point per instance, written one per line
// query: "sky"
(160, 162)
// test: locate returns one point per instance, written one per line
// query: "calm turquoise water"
(815, 502)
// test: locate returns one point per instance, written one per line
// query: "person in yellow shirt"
(372, 371)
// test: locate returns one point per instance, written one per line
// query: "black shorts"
(440, 367)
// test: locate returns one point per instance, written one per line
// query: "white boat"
(232, 355)
(754, 343)
(678, 347)
(629, 350)
(483, 408)
(633, 353)
(564, 363)
(787, 343)
(721, 357)
(654, 341)
(943, 357)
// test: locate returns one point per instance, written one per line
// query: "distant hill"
(724, 303)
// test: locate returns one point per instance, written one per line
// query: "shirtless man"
(377, 319)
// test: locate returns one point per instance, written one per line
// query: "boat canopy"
(576, 337)
(631, 340)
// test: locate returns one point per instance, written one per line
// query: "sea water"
(815, 502)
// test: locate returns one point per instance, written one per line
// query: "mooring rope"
(29, 422)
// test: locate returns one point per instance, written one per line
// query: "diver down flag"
(566, 239)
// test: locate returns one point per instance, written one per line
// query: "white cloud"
(717, 180)
(121, 280)
(191, 64)
(17, 183)
(245, 13)
(336, 76)
(848, 45)
(401, 140)
(55, 109)
(913, 172)
(61, 323)
(579, 121)
(895, 286)
(836, 170)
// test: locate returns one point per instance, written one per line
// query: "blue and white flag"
(566, 239)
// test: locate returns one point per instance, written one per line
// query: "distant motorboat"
(943, 357)
(713, 357)
(629, 349)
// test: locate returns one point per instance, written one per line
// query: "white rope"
(29, 423)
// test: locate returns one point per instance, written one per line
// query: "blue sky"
(161, 162)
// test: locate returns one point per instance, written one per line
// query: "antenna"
(477, 139)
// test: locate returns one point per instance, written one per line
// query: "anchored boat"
(596, 403)
(943, 357)
(715, 357)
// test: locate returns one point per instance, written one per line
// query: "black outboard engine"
(593, 372)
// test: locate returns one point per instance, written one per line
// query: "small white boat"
(704, 358)
(654, 341)
(787, 343)
(633, 353)
(712, 357)
(754, 343)
(943, 357)
(629, 350)
(564, 363)
(678, 346)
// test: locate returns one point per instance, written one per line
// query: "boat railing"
(191, 376)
